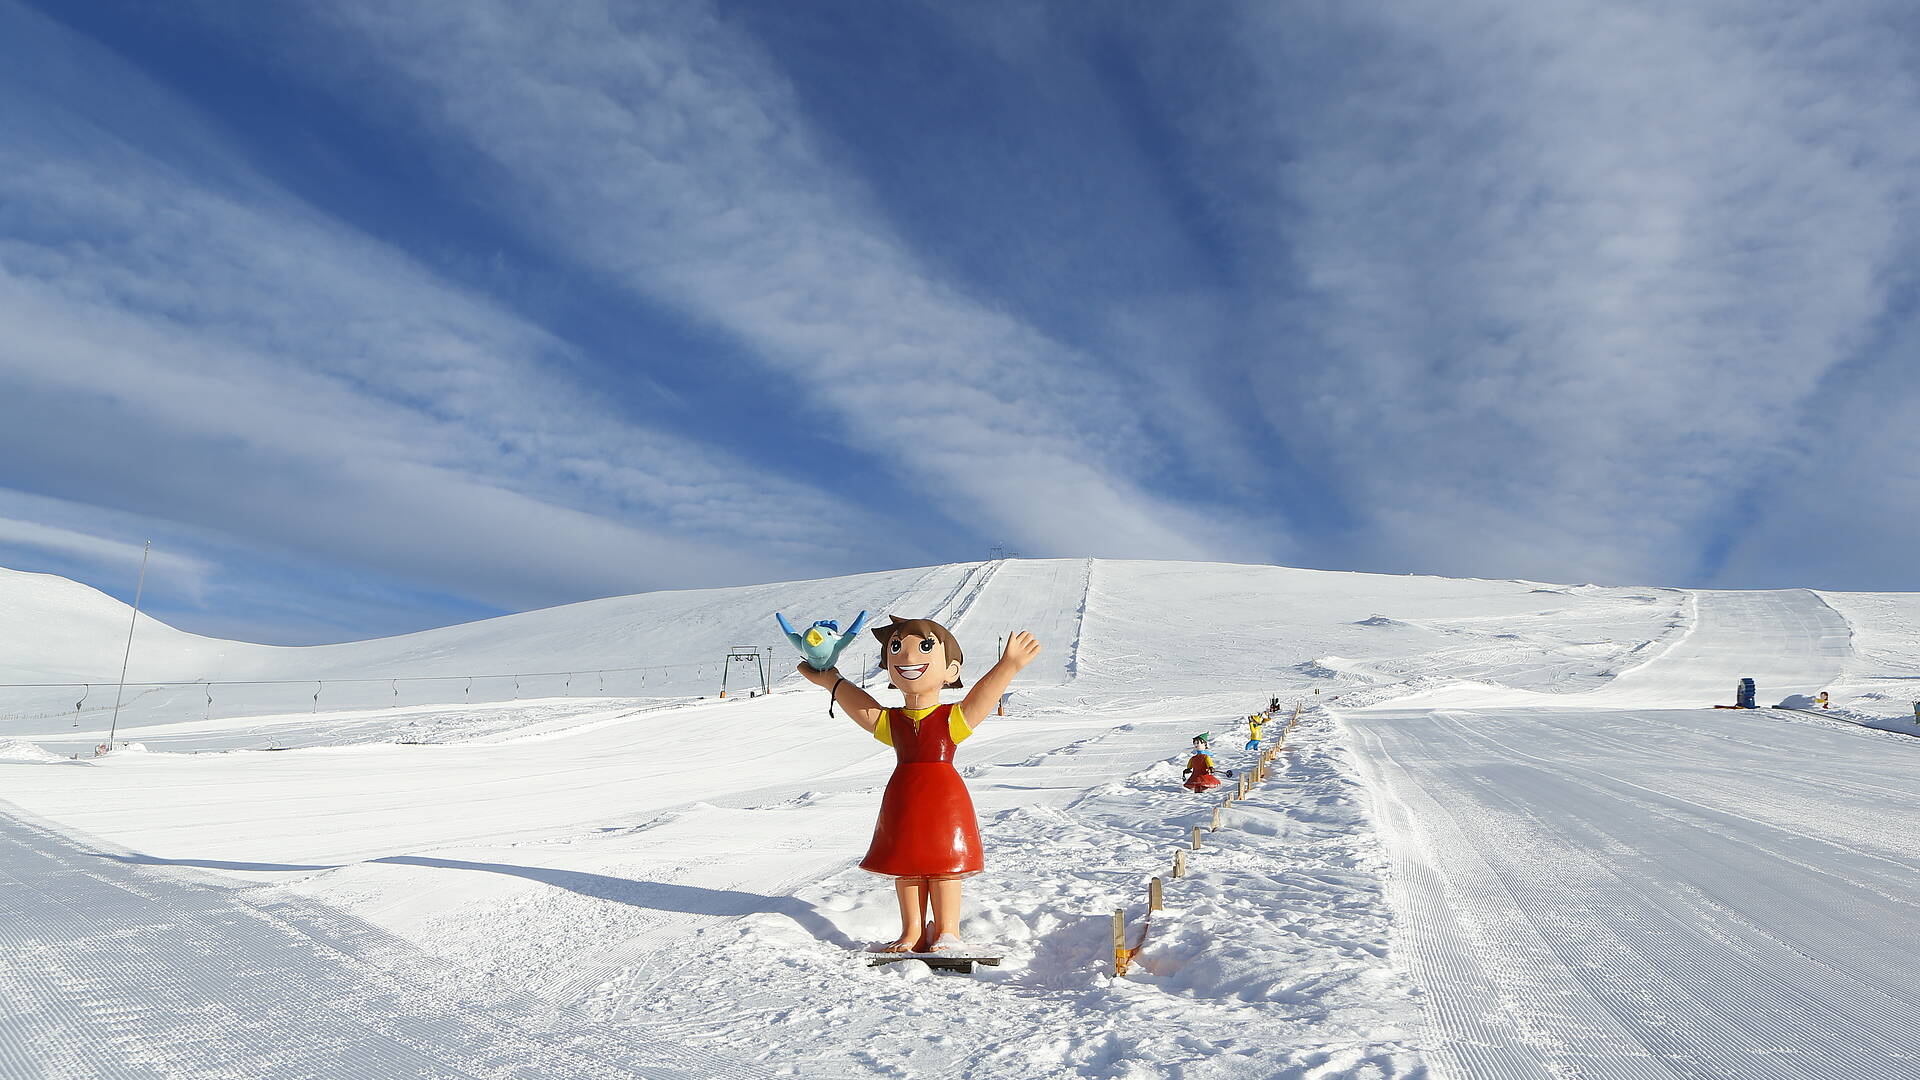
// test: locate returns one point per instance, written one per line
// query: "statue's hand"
(818, 678)
(1022, 647)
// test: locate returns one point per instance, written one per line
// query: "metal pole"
(114, 728)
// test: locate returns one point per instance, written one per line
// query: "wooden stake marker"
(1119, 942)
(1154, 895)
(1196, 838)
(1215, 827)
(1180, 863)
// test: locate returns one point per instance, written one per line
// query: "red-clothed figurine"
(926, 839)
(1198, 775)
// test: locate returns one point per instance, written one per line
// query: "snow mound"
(13, 750)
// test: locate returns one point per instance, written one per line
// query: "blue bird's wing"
(792, 634)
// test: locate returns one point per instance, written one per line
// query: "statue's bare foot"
(901, 944)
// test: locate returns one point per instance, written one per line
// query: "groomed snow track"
(115, 969)
(1644, 894)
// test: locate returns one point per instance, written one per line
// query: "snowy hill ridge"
(1257, 627)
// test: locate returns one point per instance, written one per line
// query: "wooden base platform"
(940, 961)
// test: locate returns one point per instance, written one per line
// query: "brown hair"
(920, 628)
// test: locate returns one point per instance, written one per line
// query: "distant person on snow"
(1821, 699)
(927, 838)
(1254, 724)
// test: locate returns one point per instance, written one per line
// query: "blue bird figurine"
(822, 643)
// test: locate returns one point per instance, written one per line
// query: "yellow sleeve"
(957, 728)
(881, 730)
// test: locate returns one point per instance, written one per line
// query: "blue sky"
(376, 317)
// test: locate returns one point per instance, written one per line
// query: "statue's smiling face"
(919, 663)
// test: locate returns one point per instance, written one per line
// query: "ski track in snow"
(1642, 893)
(118, 970)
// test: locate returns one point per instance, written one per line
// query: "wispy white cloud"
(1527, 289)
(317, 391)
(188, 572)
(1551, 276)
(203, 578)
(663, 149)
(1847, 514)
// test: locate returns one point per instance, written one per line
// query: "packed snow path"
(118, 969)
(1640, 893)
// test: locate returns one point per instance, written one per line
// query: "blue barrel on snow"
(1744, 698)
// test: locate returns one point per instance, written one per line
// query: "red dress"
(926, 826)
(1200, 770)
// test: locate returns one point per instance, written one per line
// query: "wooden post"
(1119, 942)
(1216, 819)
(1196, 838)
(1154, 896)
(1180, 863)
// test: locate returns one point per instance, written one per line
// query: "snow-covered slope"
(1252, 627)
(664, 644)
(1617, 888)
(654, 867)
(56, 630)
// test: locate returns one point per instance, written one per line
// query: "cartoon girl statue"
(926, 839)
